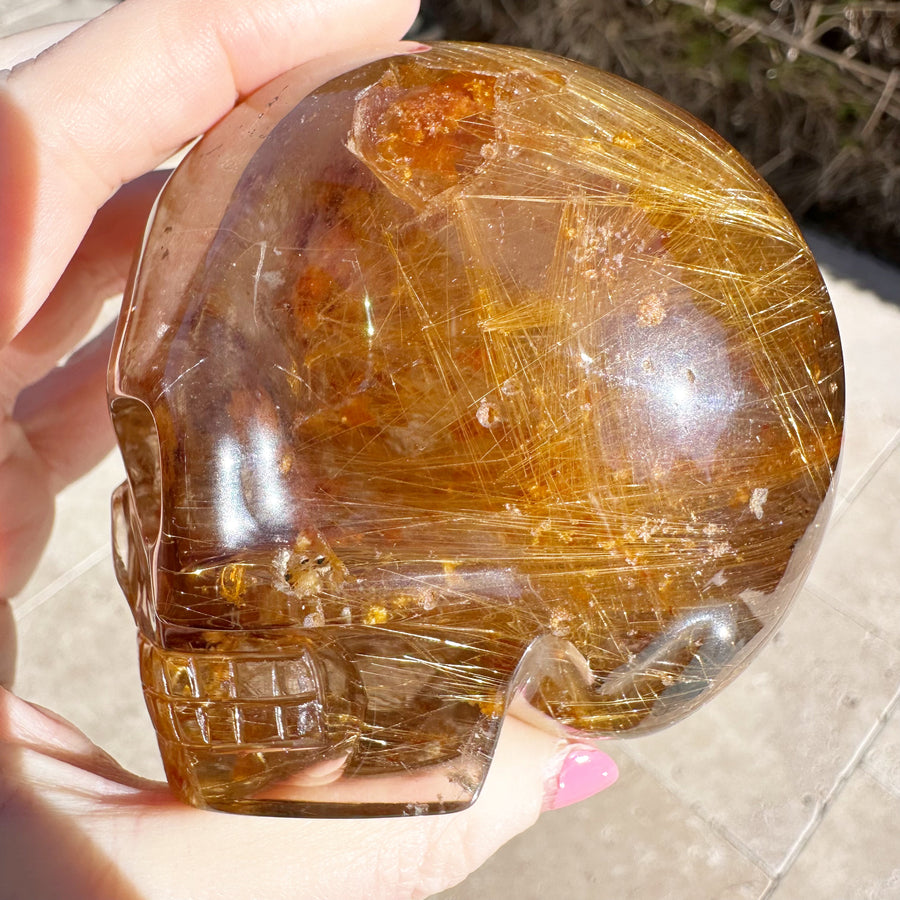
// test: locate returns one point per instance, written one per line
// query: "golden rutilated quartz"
(476, 377)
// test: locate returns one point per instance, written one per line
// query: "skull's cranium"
(475, 377)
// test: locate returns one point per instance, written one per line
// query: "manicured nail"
(585, 771)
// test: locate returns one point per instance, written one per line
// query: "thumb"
(380, 859)
(136, 830)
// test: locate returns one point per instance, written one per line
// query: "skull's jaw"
(358, 722)
(312, 722)
(288, 733)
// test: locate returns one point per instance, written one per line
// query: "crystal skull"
(474, 378)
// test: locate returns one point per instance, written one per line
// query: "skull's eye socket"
(139, 443)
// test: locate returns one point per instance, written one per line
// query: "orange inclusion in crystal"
(432, 128)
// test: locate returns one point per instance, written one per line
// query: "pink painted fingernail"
(585, 771)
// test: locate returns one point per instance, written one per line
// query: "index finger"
(120, 94)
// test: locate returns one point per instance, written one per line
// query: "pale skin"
(79, 126)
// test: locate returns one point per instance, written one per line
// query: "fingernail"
(417, 48)
(585, 771)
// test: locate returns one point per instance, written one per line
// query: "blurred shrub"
(809, 91)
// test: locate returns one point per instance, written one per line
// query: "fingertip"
(583, 772)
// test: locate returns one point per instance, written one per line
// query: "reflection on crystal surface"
(476, 375)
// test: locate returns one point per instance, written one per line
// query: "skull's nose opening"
(331, 723)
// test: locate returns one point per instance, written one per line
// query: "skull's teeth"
(226, 701)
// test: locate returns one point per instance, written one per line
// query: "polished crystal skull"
(475, 379)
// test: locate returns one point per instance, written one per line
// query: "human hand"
(79, 128)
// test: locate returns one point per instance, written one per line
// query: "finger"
(44, 854)
(59, 429)
(98, 270)
(118, 95)
(24, 724)
(374, 858)
(65, 417)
